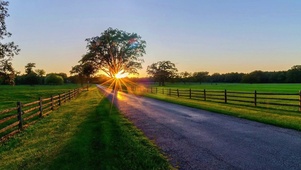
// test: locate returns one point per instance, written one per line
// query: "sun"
(121, 74)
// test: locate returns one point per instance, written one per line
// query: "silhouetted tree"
(78, 71)
(84, 71)
(185, 76)
(29, 68)
(200, 76)
(7, 73)
(115, 51)
(257, 76)
(8, 49)
(294, 74)
(40, 73)
(162, 71)
(233, 77)
(54, 79)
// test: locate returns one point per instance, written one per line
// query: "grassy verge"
(287, 119)
(86, 133)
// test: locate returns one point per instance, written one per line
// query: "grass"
(9, 95)
(279, 117)
(276, 87)
(86, 133)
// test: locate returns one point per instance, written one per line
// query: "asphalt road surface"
(198, 139)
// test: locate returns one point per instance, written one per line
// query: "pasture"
(9, 95)
(277, 87)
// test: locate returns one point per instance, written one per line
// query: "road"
(198, 139)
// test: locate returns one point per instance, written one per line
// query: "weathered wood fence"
(13, 120)
(286, 101)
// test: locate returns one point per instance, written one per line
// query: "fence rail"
(286, 101)
(15, 119)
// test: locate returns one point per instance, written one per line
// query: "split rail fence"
(15, 119)
(285, 101)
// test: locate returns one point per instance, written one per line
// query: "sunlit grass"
(264, 87)
(83, 134)
(287, 119)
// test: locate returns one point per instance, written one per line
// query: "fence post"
(225, 96)
(169, 91)
(41, 107)
(151, 89)
(59, 99)
(51, 102)
(178, 93)
(204, 94)
(69, 95)
(19, 105)
(300, 100)
(156, 90)
(162, 90)
(255, 98)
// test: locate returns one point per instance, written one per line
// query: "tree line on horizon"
(166, 71)
(292, 75)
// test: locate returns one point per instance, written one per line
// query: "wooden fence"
(13, 120)
(285, 101)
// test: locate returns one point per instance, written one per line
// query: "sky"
(218, 36)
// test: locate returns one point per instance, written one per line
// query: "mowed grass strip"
(287, 119)
(86, 133)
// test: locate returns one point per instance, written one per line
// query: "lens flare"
(121, 74)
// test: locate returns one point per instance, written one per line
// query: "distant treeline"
(292, 75)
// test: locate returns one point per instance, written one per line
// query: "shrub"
(53, 79)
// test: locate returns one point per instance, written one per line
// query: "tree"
(7, 73)
(115, 51)
(256, 76)
(200, 76)
(31, 78)
(84, 70)
(8, 49)
(40, 73)
(77, 69)
(29, 68)
(185, 76)
(54, 79)
(294, 74)
(162, 71)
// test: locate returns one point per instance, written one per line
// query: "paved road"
(198, 139)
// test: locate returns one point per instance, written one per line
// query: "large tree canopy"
(115, 51)
(8, 49)
(161, 71)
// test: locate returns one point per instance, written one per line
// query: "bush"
(53, 79)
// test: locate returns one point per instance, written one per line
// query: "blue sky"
(197, 35)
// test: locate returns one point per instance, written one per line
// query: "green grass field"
(86, 133)
(9, 95)
(237, 87)
(279, 116)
